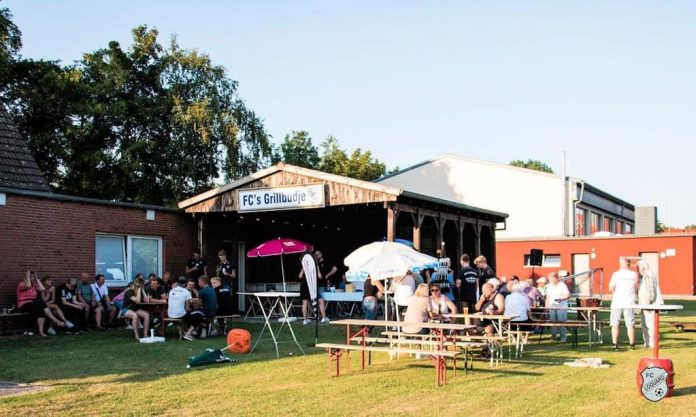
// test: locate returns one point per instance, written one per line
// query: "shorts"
(304, 291)
(35, 308)
(628, 315)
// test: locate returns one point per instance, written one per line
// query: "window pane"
(594, 223)
(145, 256)
(552, 260)
(109, 258)
(579, 222)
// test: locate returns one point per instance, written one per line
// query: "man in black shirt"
(196, 266)
(485, 272)
(227, 272)
(468, 276)
(328, 271)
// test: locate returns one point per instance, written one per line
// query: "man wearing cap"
(542, 289)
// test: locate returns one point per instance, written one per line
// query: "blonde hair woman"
(134, 296)
(417, 311)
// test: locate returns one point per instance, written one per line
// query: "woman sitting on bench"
(134, 296)
(28, 301)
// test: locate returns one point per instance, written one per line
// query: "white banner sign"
(282, 198)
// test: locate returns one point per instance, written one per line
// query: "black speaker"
(536, 257)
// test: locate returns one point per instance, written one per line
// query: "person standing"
(196, 266)
(648, 294)
(484, 271)
(327, 269)
(557, 296)
(305, 293)
(623, 287)
(227, 272)
(469, 284)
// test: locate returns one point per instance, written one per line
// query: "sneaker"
(189, 337)
(615, 348)
(563, 340)
(306, 321)
(28, 333)
(69, 324)
(213, 333)
(203, 334)
(632, 347)
(325, 320)
(51, 331)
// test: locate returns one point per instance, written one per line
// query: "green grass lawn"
(109, 374)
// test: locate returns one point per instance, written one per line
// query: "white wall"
(533, 200)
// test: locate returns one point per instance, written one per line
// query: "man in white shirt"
(178, 299)
(623, 286)
(517, 304)
(100, 295)
(557, 295)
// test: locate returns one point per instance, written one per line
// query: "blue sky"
(610, 83)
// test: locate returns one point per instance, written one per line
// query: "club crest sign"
(281, 198)
(654, 386)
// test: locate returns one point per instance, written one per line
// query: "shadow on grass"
(678, 392)
(114, 356)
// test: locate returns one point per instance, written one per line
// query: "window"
(120, 258)
(551, 260)
(619, 227)
(608, 224)
(628, 228)
(580, 215)
(594, 223)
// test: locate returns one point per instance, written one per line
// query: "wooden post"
(201, 244)
(478, 238)
(417, 219)
(391, 223)
(460, 236)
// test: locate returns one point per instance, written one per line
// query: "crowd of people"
(83, 305)
(431, 296)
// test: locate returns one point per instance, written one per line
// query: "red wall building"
(671, 256)
(55, 235)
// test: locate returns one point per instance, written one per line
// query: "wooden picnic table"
(439, 330)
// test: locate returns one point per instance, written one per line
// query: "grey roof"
(18, 168)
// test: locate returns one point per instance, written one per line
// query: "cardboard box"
(350, 287)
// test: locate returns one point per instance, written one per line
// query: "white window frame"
(129, 250)
(128, 255)
(123, 254)
(544, 263)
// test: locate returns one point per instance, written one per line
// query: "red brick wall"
(677, 273)
(57, 238)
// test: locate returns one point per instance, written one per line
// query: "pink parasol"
(280, 246)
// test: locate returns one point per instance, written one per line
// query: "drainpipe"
(576, 202)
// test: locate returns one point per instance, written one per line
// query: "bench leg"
(335, 355)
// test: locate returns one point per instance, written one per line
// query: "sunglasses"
(434, 290)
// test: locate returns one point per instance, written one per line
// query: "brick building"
(61, 235)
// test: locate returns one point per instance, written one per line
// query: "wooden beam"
(391, 223)
(201, 243)
(460, 237)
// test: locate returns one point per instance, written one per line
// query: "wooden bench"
(399, 342)
(573, 325)
(684, 327)
(207, 321)
(8, 321)
(439, 357)
(494, 343)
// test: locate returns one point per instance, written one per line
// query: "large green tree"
(532, 164)
(151, 123)
(297, 149)
(360, 164)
